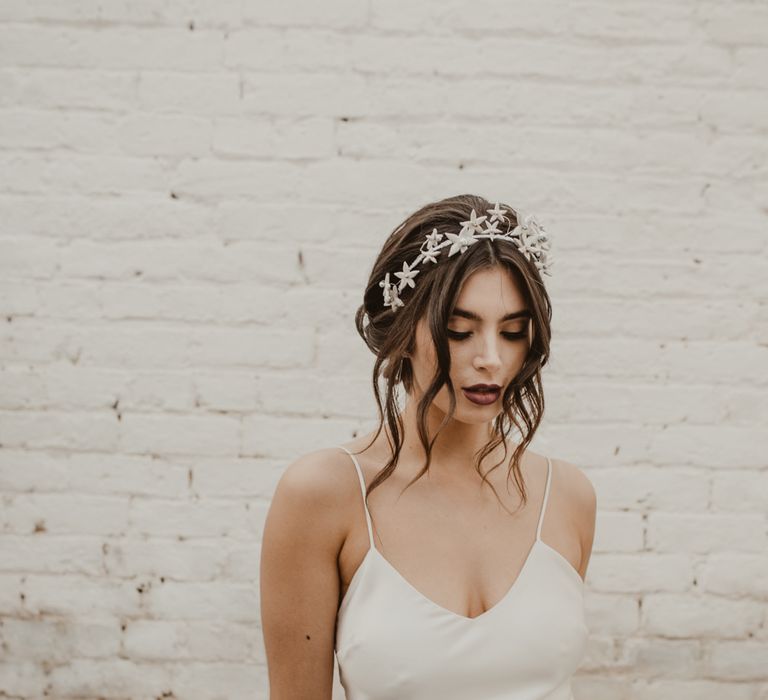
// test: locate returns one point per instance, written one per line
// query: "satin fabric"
(394, 643)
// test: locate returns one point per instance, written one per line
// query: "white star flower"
(461, 240)
(521, 247)
(474, 222)
(406, 276)
(496, 213)
(432, 242)
(516, 232)
(492, 228)
(530, 223)
(433, 238)
(528, 245)
(395, 299)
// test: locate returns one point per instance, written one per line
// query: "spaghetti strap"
(527, 645)
(546, 496)
(362, 488)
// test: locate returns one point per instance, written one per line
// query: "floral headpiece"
(528, 236)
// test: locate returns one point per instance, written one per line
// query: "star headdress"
(528, 236)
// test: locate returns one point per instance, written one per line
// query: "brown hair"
(391, 335)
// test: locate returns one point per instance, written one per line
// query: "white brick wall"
(170, 339)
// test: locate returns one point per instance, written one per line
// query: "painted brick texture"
(192, 195)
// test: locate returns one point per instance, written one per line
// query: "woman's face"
(486, 346)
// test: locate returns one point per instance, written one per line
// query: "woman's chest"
(463, 550)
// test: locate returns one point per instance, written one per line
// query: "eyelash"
(455, 335)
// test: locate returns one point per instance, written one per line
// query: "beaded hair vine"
(528, 236)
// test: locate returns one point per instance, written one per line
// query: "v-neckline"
(373, 552)
(377, 554)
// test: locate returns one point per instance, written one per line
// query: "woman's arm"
(583, 501)
(299, 581)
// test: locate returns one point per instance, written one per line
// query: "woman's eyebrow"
(472, 316)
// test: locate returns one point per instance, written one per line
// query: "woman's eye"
(456, 335)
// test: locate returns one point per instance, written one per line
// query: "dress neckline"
(376, 554)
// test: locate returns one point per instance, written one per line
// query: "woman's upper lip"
(481, 387)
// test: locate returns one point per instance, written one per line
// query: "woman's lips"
(482, 398)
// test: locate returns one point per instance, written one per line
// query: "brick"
(178, 434)
(58, 641)
(743, 490)
(65, 514)
(663, 658)
(704, 617)
(710, 532)
(193, 198)
(613, 614)
(83, 472)
(642, 487)
(155, 558)
(736, 575)
(636, 572)
(35, 553)
(305, 138)
(67, 88)
(55, 429)
(739, 660)
(161, 640)
(110, 47)
(188, 519)
(133, 217)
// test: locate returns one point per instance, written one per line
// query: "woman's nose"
(489, 354)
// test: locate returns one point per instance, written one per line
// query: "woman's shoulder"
(581, 503)
(317, 490)
(322, 476)
(322, 483)
(577, 483)
(573, 478)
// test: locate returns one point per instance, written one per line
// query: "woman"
(465, 589)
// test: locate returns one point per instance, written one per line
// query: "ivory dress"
(394, 643)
